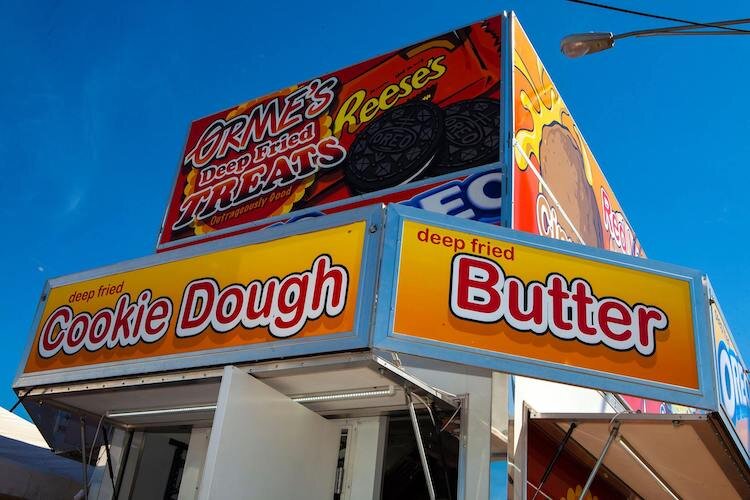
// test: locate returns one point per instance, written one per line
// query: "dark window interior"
(403, 477)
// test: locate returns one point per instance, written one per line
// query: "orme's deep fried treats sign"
(297, 287)
(426, 110)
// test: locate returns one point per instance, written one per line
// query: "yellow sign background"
(423, 294)
(538, 110)
(238, 265)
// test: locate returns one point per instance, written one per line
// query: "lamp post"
(583, 44)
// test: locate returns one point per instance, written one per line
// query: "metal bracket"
(420, 444)
(612, 435)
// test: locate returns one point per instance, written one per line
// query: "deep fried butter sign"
(494, 296)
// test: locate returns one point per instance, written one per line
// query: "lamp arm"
(685, 27)
(686, 33)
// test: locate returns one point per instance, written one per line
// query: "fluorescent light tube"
(159, 411)
(320, 397)
(344, 395)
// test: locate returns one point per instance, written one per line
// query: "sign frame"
(507, 126)
(359, 337)
(705, 396)
(731, 429)
(368, 200)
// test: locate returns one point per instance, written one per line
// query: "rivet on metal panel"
(373, 228)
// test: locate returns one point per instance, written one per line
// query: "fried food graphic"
(563, 170)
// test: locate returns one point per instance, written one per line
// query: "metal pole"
(610, 440)
(555, 458)
(83, 459)
(123, 466)
(109, 458)
(420, 445)
(20, 399)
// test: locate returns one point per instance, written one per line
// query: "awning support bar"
(109, 458)
(84, 462)
(439, 437)
(20, 399)
(555, 458)
(612, 435)
(420, 445)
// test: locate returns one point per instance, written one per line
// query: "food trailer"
(404, 279)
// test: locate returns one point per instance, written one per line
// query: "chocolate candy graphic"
(395, 148)
(472, 136)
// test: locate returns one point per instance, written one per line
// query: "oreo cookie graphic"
(396, 147)
(472, 135)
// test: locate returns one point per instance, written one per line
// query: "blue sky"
(96, 99)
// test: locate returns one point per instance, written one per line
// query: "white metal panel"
(264, 445)
(501, 442)
(196, 457)
(154, 465)
(131, 457)
(363, 468)
(102, 487)
(476, 384)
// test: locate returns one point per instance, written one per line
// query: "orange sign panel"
(296, 287)
(534, 303)
(559, 190)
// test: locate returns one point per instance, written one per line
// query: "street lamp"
(583, 44)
